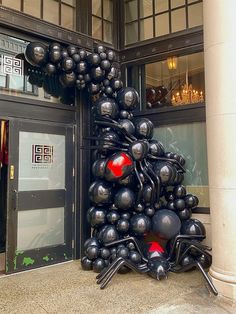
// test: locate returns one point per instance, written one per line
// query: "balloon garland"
(138, 188)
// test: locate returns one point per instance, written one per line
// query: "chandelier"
(187, 95)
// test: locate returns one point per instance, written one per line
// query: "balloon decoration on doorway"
(140, 211)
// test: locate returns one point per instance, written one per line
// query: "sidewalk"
(65, 288)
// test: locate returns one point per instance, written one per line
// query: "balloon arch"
(140, 212)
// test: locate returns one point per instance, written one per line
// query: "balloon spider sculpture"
(186, 253)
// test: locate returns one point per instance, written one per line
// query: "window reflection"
(175, 81)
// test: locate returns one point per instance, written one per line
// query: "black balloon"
(105, 253)
(93, 88)
(113, 217)
(36, 54)
(98, 168)
(179, 204)
(116, 84)
(144, 128)
(124, 199)
(92, 252)
(55, 55)
(106, 107)
(93, 59)
(179, 191)
(156, 148)
(91, 242)
(72, 50)
(108, 234)
(97, 74)
(193, 227)
(135, 257)
(128, 98)
(67, 79)
(100, 193)
(98, 265)
(50, 69)
(82, 67)
(105, 65)
(97, 216)
(185, 214)
(127, 125)
(122, 252)
(122, 225)
(67, 64)
(86, 263)
(140, 224)
(166, 224)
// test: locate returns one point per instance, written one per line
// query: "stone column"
(220, 82)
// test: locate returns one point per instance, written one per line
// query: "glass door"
(40, 195)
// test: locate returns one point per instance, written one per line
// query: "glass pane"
(18, 79)
(175, 81)
(13, 4)
(146, 28)
(162, 24)
(107, 32)
(41, 161)
(32, 9)
(189, 140)
(97, 7)
(146, 8)
(131, 33)
(51, 11)
(67, 17)
(195, 15)
(107, 10)
(97, 27)
(131, 10)
(39, 228)
(178, 20)
(191, 1)
(161, 5)
(177, 3)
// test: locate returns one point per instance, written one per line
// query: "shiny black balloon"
(122, 252)
(100, 192)
(139, 150)
(140, 224)
(93, 59)
(98, 265)
(92, 252)
(166, 172)
(127, 125)
(97, 216)
(111, 55)
(139, 208)
(113, 217)
(149, 211)
(179, 204)
(97, 74)
(124, 114)
(55, 55)
(144, 128)
(76, 58)
(98, 168)
(82, 53)
(187, 260)
(135, 257)
(67, 64)
(166, 224)
(116, 84)
(64, 53)
(125, 215)
(36, 54)
(190, 201)
(86, 263)
(128, 98)
(106, 107)
(105, 65)
(108, 91)
(93, 88)
(171, 205)
(124, 198)
(50, 69)
(82, 67)
(179, 191)
(54, 46)
(147, 193)
(91, 242)
(185, 214)
(108, 234)
(193, 227)
(99, 48)
(72, 50)
(113, 73)
(67, 79)
(105, 253)
(131, 246)
(107, 141)
(156, 148)
(122, 225)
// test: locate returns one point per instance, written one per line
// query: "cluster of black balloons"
(59, 70)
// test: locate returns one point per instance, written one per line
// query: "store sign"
(42, 154)
(12, 66)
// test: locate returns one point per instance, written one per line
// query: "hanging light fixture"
(172, 63)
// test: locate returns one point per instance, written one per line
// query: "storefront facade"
(160, 45)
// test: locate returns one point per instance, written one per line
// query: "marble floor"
(65, 288)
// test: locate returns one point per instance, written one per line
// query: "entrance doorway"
(37, 195)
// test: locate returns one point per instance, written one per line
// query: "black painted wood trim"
(201, 210)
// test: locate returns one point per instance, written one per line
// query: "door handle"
(15, 199)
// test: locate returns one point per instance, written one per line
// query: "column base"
(225, 287)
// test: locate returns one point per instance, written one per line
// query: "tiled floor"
(65, 288)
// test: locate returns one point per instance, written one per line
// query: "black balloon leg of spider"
(128, 239)
(192, 244)
(97, 138)
(173, 161)
(156, 179)
(180, 237)
(140, 190)
(106, 270)
(115, 266)
(205, 275)
(151, 182)
(104, 121)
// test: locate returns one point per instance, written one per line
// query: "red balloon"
(119, 166)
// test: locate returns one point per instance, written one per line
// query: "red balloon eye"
(117, 166)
